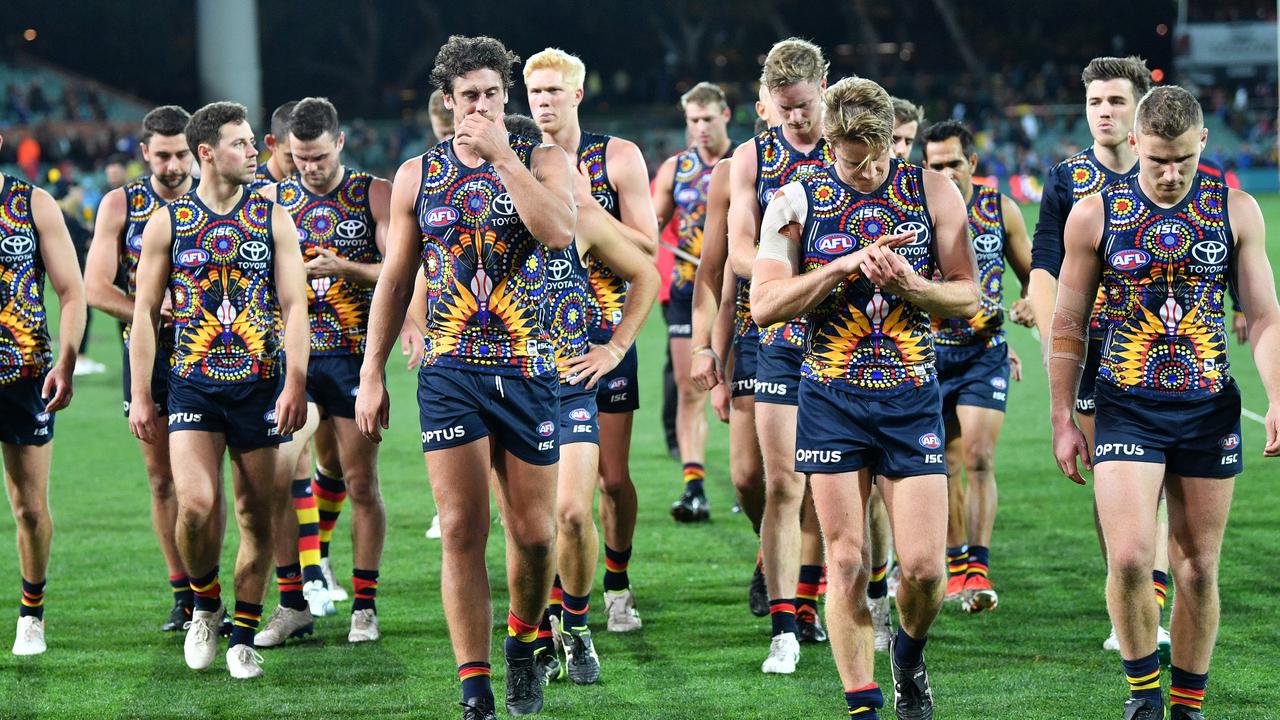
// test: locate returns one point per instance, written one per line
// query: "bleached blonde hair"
(858, 110)
(571, 68)
(793, 61)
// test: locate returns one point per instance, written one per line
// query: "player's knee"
(30, 515)
(979, 458)
(195, 510)
(573, 519)
(746, 477)
(1196, 575)
(615, 479)
(1130, 565)
(785, 488)
(363, 490)
(846, 570)
(463, 533)
(161, 484)
(922, 573)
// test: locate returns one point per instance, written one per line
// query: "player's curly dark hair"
(461, 55)
(312, 117)
(204, 126)
(166, 120)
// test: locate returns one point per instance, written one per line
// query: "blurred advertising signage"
(1225, 44)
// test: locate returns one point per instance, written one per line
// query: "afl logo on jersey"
(687, 196)
(768, 195)
(834, 244)
(254, 251)
(442, 216)
(930, 441)
(351, 229)
(134, 241)
(193, 257)
(1210, 252)
(559, 268)
(17, 245)
(1129, 259)
(503, 205)
(919, 228)
(987, 244)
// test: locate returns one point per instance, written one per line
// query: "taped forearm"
(1070, 337)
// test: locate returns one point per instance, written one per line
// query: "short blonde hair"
(571, 68)
(793, 61)
(704, 93)
(1167, 112)
(858, 110)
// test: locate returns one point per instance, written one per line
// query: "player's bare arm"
(744, 210)
(630, 178)
(1258, 296)
(59, 256)
(104, 259)
(152, 282)
(1017, 250)
(1077, 287)
(291, 292)
(664, 204)
(400, 263)
(708, 280)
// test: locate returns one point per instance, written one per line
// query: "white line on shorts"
(1253, 416)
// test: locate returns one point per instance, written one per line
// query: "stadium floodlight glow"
(30, 34)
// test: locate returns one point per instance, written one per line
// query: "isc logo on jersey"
(193, 257)
(834, 244)
(442, 217)
(1129, 259)
(930, 441)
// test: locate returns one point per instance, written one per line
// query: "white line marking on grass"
(1253, 416)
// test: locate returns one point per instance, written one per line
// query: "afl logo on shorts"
(503, 205)
(193, 257)
(270, 417)
(617, 383)
(834, 244)
(580, 414)
(546, 428)
(351, 229)
(17, 245)
(254, 251)
(442, 216)
(922, 232)
(687, 196)
(930, 441)
(42, 418)
(559, 269)
(999, 383)
(1129, 259)
(1230, 442)
(987, 244)
(1210, 252)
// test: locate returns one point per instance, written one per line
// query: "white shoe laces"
(245, 655)
(363, 619)
(32, 631)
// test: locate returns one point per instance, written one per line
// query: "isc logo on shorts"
(930, 441)
(1132, 449)
(582, 428)
(545, 428)
(580, 414)
(817, 456)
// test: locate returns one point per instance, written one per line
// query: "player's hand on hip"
(373, 409)
(589, 367)
(1068, 446)
(57, 387)
(291, 409)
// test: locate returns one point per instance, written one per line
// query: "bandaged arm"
(1077, 286)
(779, 292)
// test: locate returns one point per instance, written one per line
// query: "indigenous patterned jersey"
(986, 234)
(1164, 280)
(569, 303)
(222, 279)
(262, 177)
(340, 221)
(608, 291)
(1086, 176)
(486, 273)
(689, 190)
(25, 349)
(141, 202)
(861, 339)
(778, 163)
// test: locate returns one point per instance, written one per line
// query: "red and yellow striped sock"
(694, 475)
(329, 493)
(32, 599)
(957, 561)
(1160, 581)
(304, 506)
(208, 591)
(807, 592)
(244, 623)
(521, 638)
(289, 581)
(1187, 688)
(364, 585)
(476, 683)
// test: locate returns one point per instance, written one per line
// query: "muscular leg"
(956, 530)
(460, 485)
(878, 529)
(289, 456)
(577, 544)
(746, 466)
(359, 458)
(981, 430)
(840, 501)
(164, 503)
(917, 514)
(784, 488)
(691, 415)
(197, 483)
(1086, 427)
(1126, 494)
(26, 480)
(810, 531)
(257, 499)
(1198, 509)
(618, 501)
(529, 501)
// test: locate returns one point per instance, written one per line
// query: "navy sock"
(245, 624)
(782, 611)
(364, 585)
(182, 594)
(32, 599)
(1187, 688)
(979, 560)
(864, 702)
(289, 580)
(694, 474)
(878, 582)
(1143, 675)
(475, 681)
(574, 615)
(908, 652)
(615, 569)
(208, 591)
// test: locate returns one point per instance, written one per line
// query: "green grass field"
(698, 656)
